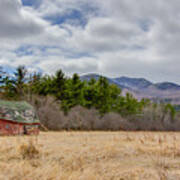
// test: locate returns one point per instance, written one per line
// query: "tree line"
(71, 92)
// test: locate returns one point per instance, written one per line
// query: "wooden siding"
(13, 128)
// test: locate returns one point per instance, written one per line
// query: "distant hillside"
(133, 83)
(167, 86)
(142, 88)
(88, 77)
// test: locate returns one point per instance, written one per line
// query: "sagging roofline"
(22, 123)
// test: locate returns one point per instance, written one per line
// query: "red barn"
(17, 118)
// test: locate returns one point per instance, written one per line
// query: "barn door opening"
(25, 129)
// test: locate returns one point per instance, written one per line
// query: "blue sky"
(34, 3)
(114, 38)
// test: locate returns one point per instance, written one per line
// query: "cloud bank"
(114, 38)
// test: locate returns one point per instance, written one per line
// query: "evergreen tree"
(73, 94)
(90, 93)
(20, 79)
(59, 85)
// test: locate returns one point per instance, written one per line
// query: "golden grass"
(91, 156)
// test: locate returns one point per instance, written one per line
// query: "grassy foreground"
(91, 156)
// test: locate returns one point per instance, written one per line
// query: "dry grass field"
(91, 156)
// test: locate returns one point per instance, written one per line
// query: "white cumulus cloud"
(129, 37)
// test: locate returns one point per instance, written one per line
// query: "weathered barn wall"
(12, 128)
(8, 128)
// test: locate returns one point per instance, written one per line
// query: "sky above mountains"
(137, 38)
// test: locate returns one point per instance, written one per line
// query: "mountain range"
(142, 88)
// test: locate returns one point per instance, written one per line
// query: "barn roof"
(18, 111)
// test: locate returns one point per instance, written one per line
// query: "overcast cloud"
(137, 38)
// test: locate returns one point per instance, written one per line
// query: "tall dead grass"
(91, 155)
(28, 150)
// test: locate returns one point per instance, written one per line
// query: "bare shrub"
(82, 119)
(28, 150)
(150, 119)
(114, 121)
(155, 119)
(49, 113)
(79, 118)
